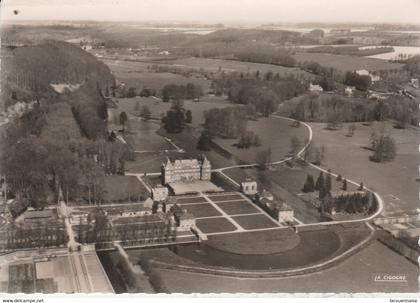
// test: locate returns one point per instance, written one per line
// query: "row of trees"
(335, 110)
(180, 92)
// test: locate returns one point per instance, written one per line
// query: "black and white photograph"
(246, 147)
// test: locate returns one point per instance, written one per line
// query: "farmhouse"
(280, 211)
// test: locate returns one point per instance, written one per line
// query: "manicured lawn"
(274, 133)
(124, 189)
(214, 225)
(256, 243)
(347, 63)
(201, 210)
(238, 207)
(353, 275)
(222, 198)
(254, 221)
(191, 200)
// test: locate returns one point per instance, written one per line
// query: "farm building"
(315, 88)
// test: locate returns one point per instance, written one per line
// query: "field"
(136, 74)
(349, 157)
(259, 242)
(273, 132)
(213, 65)
(352, 275)
(347, 63)
(124, 189)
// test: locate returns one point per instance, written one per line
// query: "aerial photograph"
(209, 147)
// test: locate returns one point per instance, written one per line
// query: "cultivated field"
(274, 132)
(213, 65)
(347, 63)
(394, 181)
(136, 74)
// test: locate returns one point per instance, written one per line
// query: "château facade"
(186, 170)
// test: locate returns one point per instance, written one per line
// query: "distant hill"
(28, 72)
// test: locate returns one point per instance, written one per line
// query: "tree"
(137, 106)
(131, 92)
(145, 112)
(328, 181)
(309, 185)
(384, 148)
(361, 186)
(320, 182)
(263, 158)
(344, 184)
(188, 116)
(339, 178)
(204, 142)
(295, 146)
(123, 119)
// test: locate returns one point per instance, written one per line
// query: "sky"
(214, 11)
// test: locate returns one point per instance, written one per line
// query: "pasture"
(347, 63)
(395, 181)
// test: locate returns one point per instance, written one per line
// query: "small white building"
(286, 213)
(348, 91)
(315, 88)
(249, 187)
(414, 82)
(160, 193)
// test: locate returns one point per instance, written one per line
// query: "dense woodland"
(63, 142)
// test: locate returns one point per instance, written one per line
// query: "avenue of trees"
(181, 92)
(335, 110)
